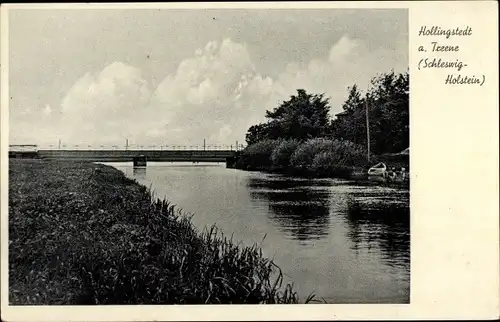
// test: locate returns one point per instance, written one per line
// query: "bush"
(258, 155)
(340, 154)
(314, 157)
(304, 154)
(328, 157)
(283, 152)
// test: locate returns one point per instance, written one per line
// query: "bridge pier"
(140, 161)
(231, 161)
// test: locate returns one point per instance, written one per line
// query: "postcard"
(248, 161)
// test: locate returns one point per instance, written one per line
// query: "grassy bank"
(81, 233)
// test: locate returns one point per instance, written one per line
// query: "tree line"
(306, 116)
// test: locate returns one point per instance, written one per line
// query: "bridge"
(228, 156)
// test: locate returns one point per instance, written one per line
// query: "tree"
(352, 125)
(302, 117)
(255, 133)
(353, 101)
(388, 109)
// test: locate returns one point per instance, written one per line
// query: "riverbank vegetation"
(313, 157)
(299, 136)
(82, 233)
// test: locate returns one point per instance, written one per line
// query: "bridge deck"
(128, 155)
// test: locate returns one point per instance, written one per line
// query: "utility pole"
(367, 129)
(126, 145)
(236, 145)
(59, 144)
(203, 144)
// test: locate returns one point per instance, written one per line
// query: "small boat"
(379, 170)
(380, 173)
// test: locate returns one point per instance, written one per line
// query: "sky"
(165, 77)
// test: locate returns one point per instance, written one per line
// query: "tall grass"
(81, 233)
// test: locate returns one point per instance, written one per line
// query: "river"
(346, 242)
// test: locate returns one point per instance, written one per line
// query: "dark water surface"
(347, 242)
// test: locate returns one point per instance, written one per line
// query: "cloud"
(104, 107)
(349, 61)
(214, 94)
(342, 48)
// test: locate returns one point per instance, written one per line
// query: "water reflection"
(347, 241)
(140, 173)
(382, 224)
(377, 220)
(296, 208)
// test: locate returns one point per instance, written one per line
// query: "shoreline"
(83, 233)
(356, 174)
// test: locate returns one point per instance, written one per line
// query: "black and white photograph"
(208, 156)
